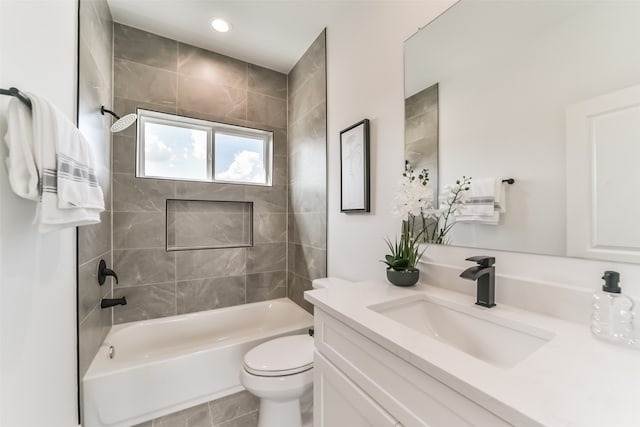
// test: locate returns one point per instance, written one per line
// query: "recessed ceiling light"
(220, 25)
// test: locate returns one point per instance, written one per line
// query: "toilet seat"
(280, 357)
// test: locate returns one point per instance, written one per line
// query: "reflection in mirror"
(421, 133)
(541, 92)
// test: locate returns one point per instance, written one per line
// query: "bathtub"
(164, 365)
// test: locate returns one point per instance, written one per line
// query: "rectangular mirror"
(545, 93)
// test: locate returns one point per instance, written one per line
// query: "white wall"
(37, 272)
(365, 79)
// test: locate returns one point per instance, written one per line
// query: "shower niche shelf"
(208, 224)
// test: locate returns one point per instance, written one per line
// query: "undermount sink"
(469, 329)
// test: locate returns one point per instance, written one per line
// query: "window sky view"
(180, 152)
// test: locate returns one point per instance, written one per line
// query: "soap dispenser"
(612, 317)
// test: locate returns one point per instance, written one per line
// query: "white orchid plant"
(414, 204)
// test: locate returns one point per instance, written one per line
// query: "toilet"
(280, 373)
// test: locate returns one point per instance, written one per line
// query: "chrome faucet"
(484, 273)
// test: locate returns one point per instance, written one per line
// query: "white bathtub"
(165, 365)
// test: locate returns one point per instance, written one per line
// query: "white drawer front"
(342, 403)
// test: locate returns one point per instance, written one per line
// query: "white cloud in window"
(199, 144)
(155, 150)
(247, 167)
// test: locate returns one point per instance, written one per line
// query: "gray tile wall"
(213, 224)
(421, 133)
(94, 241)
(160, 74)
(307, 231)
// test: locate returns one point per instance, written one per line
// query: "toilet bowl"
(279, 372)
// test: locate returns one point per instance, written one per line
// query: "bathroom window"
(183, 148)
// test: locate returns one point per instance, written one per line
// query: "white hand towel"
(21, 164)
(482, 198)
(485, 202)
(70, 194)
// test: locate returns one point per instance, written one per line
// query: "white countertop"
(573, 380)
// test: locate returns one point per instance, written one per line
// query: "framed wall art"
(354, 168)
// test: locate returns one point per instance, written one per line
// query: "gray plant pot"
(403, 278)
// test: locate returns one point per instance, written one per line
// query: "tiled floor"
(237, 410)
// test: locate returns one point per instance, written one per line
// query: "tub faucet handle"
(103, 272)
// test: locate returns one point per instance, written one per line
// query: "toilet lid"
(281, 356)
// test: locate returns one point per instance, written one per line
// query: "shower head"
(120, 123)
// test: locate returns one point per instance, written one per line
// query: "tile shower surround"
(307, 209)
(164, 75)
(94, 241)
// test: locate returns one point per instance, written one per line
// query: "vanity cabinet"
(343, 402)
(358, 382)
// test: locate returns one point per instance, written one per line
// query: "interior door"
(603, 169)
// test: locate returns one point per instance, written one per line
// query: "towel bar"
(12, 91)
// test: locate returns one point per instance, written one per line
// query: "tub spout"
(111, 302)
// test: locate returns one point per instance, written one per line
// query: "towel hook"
(509, 181)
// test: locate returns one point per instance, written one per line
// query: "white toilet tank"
(329, 282)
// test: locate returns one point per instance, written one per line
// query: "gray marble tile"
(233, 406)
(267, 199)
(297, 286)
(146, 48)
(266, 110)
(310, 229)
(212, 67)
(269, 227)
(145, 302)
(137, 230)
(94, 90)
(92, 332)
(145, 424)
(124, 153)
(266, 286)
(95, 239)
(212, 207)
(280, 143)
(307, 198)
(201, 95)
(279, 172)
(310, 64)
(265, 257)
(135, 81)
(310, 263)
(96, 31)
(220, 117)
(196, 416)
(89, 291)
(209, 229)
(267, 82)
(143, 266)
(210, 263)
(133, 194)
(291, 254)
(308, 96)
(207, 294)
(210, 191)
(310, 132)
(421, 103)
(307, 168)
(249, 420)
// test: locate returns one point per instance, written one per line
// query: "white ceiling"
(273, 34)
